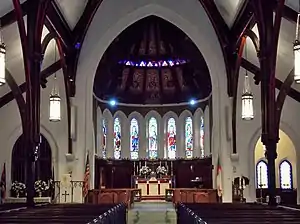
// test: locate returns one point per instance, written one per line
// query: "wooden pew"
(72, 213)
(242, 213)
(193, 195)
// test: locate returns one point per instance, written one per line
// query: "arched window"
(202, 137)
(134, 139)
(262, 174)
(171, 138)
(286, 175)
(189, 137)
(117, 138)
(43, 166)
(152, 134)
(104, 138)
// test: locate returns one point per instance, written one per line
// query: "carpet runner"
(157, 212)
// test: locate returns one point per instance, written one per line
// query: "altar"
(153, 188)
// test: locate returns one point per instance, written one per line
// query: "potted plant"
(40, 187)
(161, 171)
(144, 171)
(18, 188)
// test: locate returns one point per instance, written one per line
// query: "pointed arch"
(286, 174)
(166, 118)
(153, 133)
(262, 174)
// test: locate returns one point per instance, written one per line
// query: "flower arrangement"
(41, 186)
(18, 187)
(161, 170)
(145, 170)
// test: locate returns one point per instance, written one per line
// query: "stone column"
(196, 136)
(161, 138)
(143, 139)
(180, 138)
(125, 139)
(207, 150)
(110, 138)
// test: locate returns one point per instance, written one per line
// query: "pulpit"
(153, 188)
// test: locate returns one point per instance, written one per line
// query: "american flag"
(3, 183)
(86, 181)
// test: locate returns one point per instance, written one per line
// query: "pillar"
(161, 138)
(196, 135)
(143, 139)
(110, 138)
(125, 139)
(207, 150)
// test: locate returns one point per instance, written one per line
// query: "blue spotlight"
(192, 102)
(112, 102)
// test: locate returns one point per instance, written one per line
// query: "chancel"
(111, 108)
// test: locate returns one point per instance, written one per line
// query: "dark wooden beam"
(16, 93)
(78, 34)
(294, 94)
(10, 17)
(289, 14)
(7, 98)
(244, 20)
(56, 23)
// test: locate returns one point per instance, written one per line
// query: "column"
(196, 136)
(110, 138)
(143, 139)
(161, 138)
(207, 150)
(271, 156)
(125, 138)
(99, 134)
(180, 138)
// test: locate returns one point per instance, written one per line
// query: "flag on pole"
(86, 181)
(219, 178)
(3, 183)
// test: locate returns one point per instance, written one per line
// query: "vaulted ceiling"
(230, 16)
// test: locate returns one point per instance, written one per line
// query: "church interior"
(149, 111)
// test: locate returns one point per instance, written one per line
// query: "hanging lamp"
(297, 51)
(54, 101)
(2, 59)
(247, 97)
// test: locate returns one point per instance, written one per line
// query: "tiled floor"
(152, 212)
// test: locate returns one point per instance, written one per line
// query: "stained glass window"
(202, 137)
(117, 138)
(171, 138)
(104, 138)
(134, 139)
(189, 137)
(285, 173)
(262, 174)
(152, 149)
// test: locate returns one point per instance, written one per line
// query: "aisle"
(152, 212)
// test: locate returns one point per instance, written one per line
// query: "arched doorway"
(43, 168)
(285, 165)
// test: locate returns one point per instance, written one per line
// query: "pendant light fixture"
(297, 50)
(2, 59)
(247, 97)
(54, 101)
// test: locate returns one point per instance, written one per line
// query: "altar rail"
(192, 195)
(113, 196)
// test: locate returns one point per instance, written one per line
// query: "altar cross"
(65, 194)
